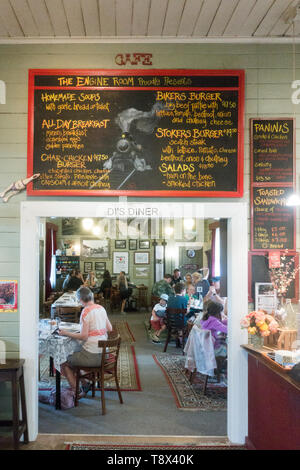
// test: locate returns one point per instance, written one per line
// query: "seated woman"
(212, 320)
(106, 284)
(90, 280)
(94, 325)
(125, 291)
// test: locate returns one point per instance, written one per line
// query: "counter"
(273, 404)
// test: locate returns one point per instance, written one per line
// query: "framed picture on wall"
(88, 266)
(132, 244)
(144, 244)
(141, 257)
(120, 244)
(100, 266)
(120, 262)
(95, 248)
(141, 271)
(8, 296)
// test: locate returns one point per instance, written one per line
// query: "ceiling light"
(169, 230)
(96, 230)
(87, 224)
(189, 224)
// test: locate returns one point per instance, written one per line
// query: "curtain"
(208, 257)
(213, 251)
(50, 250)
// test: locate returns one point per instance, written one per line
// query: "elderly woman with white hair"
(94, 326)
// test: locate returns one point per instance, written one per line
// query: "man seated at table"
(176, 278)
(163, 287)
(75, 281)
(157, 318)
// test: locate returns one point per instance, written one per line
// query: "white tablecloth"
(199, 350)
(58, 347)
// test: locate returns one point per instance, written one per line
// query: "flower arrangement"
(259, 323)
(283, 276)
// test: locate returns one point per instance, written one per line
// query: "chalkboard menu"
(273, 223)
(272, 150)
(136, 132)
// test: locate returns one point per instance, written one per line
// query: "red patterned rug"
(187, 396)
(116, 447)
(124, 331)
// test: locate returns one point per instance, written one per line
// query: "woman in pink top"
(94, 325)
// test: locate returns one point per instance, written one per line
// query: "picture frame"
(141, 271)
(8, 295)
(142, 257)
(265, 297)
(144, 244)
(120, 244)
(88, 266)
(120, 261)
(95, 248)
(133, 244)
(100, 266)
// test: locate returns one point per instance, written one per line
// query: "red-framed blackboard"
(272, 156)
(273, 223)
(272, 151)
(136, 132)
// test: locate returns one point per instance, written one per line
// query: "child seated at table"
(157, 318)
(212, 320)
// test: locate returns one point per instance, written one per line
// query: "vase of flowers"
(282, 278)
(259, 325)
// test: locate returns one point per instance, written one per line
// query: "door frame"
(236, 212)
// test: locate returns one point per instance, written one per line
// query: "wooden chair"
(68, 314)
(142, 300)
(175, 326)
(115, 299)
(220, 364)
(107, 369)
(106, 296)
(46, 311)
(154, 300)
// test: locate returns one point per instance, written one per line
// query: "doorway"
(237, 290)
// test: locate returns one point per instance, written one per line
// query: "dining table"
(68, 299)
(58, 348)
